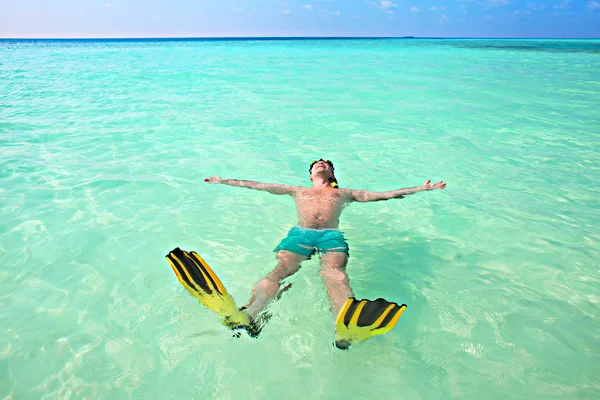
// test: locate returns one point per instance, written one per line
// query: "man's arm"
(365, 195)
(273, 188)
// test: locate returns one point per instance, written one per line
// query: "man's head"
(325, 170)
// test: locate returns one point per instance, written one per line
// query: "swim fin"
(358, 320)
(201, 281)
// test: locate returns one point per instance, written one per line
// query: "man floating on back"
(319, 208)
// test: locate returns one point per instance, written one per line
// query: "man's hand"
(438, 185)
(214, 179)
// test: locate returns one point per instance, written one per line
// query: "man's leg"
(267, 288)
(336, 280)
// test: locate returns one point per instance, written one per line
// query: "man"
(319, 208)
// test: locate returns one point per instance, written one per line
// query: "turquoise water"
(103, 149)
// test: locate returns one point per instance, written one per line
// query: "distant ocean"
(104, 145)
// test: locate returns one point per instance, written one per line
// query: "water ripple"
(104, 147)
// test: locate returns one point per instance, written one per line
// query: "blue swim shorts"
(307, 242)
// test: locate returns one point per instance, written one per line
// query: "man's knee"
(334, 274)
(285, 267)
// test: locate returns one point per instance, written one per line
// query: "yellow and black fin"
(200, 281)
(359, 320)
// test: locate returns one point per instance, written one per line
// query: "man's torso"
(320, 208)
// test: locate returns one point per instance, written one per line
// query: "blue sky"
(162, 18)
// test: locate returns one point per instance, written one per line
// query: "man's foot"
(358, 320)
(201, 282)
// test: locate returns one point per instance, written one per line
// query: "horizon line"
(215, 38)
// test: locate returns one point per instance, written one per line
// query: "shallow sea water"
(104, 146)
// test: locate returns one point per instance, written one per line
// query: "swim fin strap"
(358, 320)
(201, 281)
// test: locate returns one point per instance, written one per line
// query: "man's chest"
(320, 198)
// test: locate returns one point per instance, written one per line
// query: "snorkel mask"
(333, 181)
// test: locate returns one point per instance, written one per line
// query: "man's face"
(321, 167)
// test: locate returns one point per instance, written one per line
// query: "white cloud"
(563, 5)
(593, 5)
(489, 18)
(109, 5)
(337, 13)
(536, 7)
(308, 7)
(496, 3)
(443, 17)
(237, 9)
(390, 12)
(283, 4)
(286, 11)
(385, 4)
(415, 9)
(437, 8)
(371, 3)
